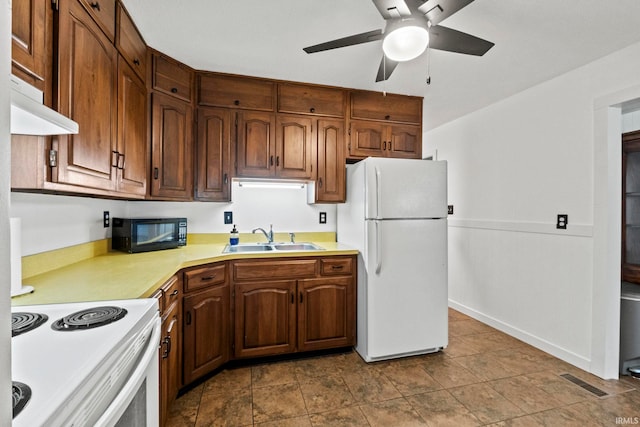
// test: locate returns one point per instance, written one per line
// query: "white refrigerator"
(396, 216)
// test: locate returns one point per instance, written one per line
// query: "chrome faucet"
(268, 235)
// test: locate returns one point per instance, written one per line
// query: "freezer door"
(407, 294)
(404, 188)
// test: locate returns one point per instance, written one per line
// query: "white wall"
(631, 121)
(513, 167)
(5, 183)
(52, 222)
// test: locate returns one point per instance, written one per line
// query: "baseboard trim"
(544, 345)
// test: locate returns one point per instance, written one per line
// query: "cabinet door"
(221, 90)
(130, 43)
(171, 77)
(294, 147)
(404, 142)
(132, 160)
(387, 107)
(206, 332)
(169, 360)
(29, 19)
(367, 139)
(326, 316)
(213, 150)
(171, 139)
(265, 318)
(87, 92)
(330, 184)
(255, 144)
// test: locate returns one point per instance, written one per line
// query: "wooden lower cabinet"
(206, 331)
(265, 318)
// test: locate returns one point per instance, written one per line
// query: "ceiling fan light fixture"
(405, 43)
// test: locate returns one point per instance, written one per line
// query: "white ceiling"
(535, 41)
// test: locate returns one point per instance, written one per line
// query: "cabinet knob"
(174, 90)
(136, 61)
(387, 117)
(312, 110)
(95, 5)
(236, 102)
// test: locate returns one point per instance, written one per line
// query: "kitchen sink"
(268, 247)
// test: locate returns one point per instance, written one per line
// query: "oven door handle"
(120, 403)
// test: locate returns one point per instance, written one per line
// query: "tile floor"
(484, 377)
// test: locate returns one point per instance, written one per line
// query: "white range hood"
(29, 116)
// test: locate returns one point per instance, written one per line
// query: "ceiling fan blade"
(369, 36)
(443, 38)
(386, 68)
(392, 9)
(439, 10)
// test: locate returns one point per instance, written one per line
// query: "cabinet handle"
(120, 156)
(271, 160)
(166, 343)
(389, 145)
(188, 319)
(114, 156)
(319, 182)
(225, 179)
(236, 102)
(174, 90)
(95, 5)
(384, 145)
(312, 110)
(208, 278)
(277, 160)
(300, 297)
(387, 117)
(136, 61)
(174, 293)
(293, 300)
(155, 173)
(337, 267)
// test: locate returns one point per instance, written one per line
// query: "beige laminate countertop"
(118, 275)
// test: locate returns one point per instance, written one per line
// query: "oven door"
(137, 402)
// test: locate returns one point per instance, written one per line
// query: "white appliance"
(396, 216)
(105, 375)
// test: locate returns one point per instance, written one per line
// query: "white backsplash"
(51, 221)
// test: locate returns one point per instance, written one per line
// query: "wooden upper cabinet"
(172, 148)
(392, 108)
(104, 14)
(213, 153)
(172, 77)
(131, 44)
(221, 90)
(255, 144)
(30, 36)
(87, 93)
(294, 147)
(377, 139)
(404, 141)
(132, 148)
(330, 182)
(307, 99)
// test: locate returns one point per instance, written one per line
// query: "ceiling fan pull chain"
(428, 66)
(384, 72)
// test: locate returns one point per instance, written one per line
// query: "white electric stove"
(86, 364)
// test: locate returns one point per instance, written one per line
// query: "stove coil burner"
(21, 395)
(89, 318)
(24, 322)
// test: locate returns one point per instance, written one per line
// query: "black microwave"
(148, 234)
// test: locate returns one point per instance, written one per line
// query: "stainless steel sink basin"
(296, 247)
(246, 248)
(265, 247)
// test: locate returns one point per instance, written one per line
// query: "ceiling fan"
(411, 26)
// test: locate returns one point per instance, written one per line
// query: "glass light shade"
(405, 43)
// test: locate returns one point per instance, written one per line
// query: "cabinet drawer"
(252, 270)
(394, 108)
(294, 98)
(335, 266)
(130, 44)
(170, 293)
(236, 92)
(172, 78)
(104, 13)
(203, 277)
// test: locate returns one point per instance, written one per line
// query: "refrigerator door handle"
(378, 249)
(378, 198)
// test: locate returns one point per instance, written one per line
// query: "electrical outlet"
(228, 217)
(450, 209)
(105, 219)
(563, 220)
(323, 217)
